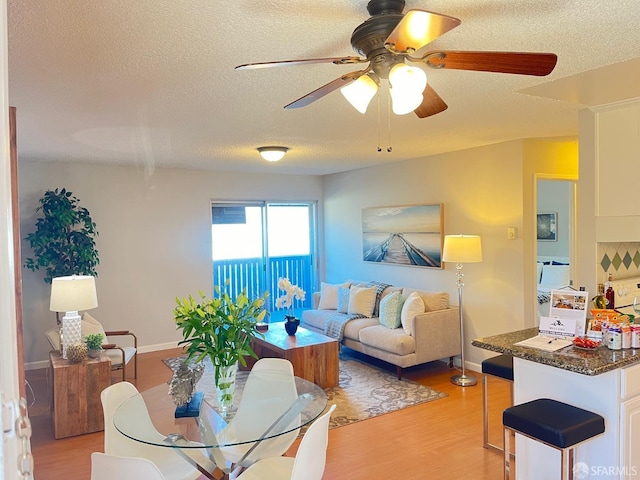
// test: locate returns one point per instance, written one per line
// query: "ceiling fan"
(387, 40)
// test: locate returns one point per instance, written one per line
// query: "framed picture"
(547, 227)
(403, 235)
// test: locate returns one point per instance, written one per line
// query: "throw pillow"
(343, 300)
(432, 300)
(90, 325)
(413, 306)
(329, 295)
(362, 300)
(555, 276)
(390, 309)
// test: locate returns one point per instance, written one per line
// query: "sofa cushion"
(353, 327)
(413, 305)
(394, 341)
(329, 295)
(343, 300)
(390, 309)
(316, 318)
(362, 300)
(432, 300)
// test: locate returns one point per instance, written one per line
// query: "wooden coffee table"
(314, 356)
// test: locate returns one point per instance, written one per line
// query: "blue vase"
(291, 326)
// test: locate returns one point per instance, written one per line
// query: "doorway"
(256, 243)
(555, 237)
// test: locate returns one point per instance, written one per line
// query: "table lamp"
(69, 295)
(462, 249)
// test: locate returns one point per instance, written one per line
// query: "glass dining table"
(269, 409)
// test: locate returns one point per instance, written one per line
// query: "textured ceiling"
(152, 82)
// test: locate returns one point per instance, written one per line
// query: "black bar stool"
(500, 367)
(553, 423)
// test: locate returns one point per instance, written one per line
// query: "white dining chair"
(109, 467)
(272, 381)
(170, 463)
(309, 462)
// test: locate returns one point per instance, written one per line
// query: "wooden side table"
(76, 406)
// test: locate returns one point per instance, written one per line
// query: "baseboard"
(145, 349)
(157, 347)
(36, 365)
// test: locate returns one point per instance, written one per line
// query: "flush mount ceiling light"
(272, 154)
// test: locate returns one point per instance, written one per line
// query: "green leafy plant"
(94, 341)
(219, 328)
(64, 240)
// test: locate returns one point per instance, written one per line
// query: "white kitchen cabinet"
(618, 155)
(630, 421)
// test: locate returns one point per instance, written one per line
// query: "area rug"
(364, 391)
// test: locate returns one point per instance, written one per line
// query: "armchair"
(119, 355)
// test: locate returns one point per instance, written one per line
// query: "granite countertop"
(586, 362)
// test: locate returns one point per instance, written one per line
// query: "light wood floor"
(441, 439)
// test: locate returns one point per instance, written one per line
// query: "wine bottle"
(609, 293)
(600, 301)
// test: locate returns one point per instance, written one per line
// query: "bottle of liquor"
(600, 301)
(610, 294)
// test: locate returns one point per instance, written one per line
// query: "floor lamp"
(462, 249)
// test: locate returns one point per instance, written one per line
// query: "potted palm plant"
(221, 329)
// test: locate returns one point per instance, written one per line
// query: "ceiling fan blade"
(431, 105)
(285, 63)
(418, 28)
(326, 89)
(521, 63)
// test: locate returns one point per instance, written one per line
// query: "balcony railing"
(246, 273)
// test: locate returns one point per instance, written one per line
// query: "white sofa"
(433, 333)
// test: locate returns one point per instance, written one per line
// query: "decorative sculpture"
(182, 384)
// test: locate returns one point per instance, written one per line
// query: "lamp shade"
(462, 249)
(360, 92)
(74, 293)
(407, 84)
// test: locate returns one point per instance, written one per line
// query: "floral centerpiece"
(292, 292)
(221, 329)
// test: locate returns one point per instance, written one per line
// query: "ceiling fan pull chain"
(379, 127)
(389, 122)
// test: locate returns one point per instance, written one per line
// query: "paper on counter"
(544, 342)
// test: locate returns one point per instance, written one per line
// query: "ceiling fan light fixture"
(406, 86)
(402, 103)
(360, 92)
(272, 154)
(408, 78)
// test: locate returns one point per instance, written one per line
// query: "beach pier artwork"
(403, 235)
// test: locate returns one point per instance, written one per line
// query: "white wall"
(154, 239)
(481, 192)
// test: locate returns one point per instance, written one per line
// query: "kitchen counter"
(603, 381)
(586, 362)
